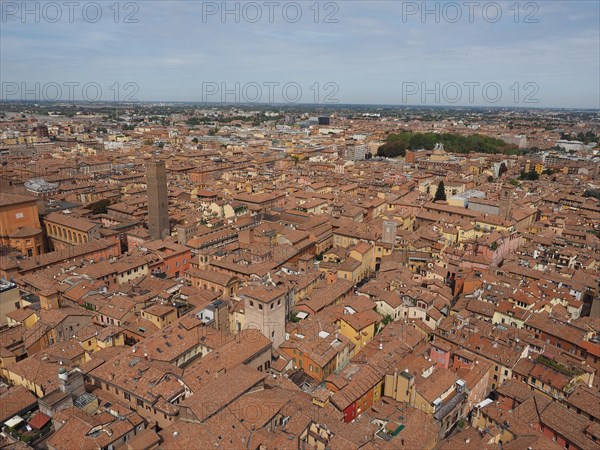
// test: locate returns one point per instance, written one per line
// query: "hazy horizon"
(498, 54)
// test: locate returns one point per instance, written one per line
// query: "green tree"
(392, 149)
(440, 194)
(592, 193)
(193, 121)
(387, 319)
(423, 140)
(531, 175)
(453, 143)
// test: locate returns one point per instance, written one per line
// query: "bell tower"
(506, 195)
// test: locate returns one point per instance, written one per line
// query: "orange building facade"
(20, 224)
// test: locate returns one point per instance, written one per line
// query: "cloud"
(372, 47)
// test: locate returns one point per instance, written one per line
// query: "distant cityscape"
(184, 275)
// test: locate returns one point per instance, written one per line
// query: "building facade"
(20, 224)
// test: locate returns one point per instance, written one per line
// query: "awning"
(13, 422)
(484, 403)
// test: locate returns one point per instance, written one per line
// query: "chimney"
(63, 377)
(72, 383)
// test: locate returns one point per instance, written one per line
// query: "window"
(251, 303)
(19, 215)
(260, 306)
(127, 396)
(272, 304)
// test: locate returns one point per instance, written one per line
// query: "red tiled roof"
(38, 420)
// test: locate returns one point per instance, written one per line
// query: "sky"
(480, 53)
